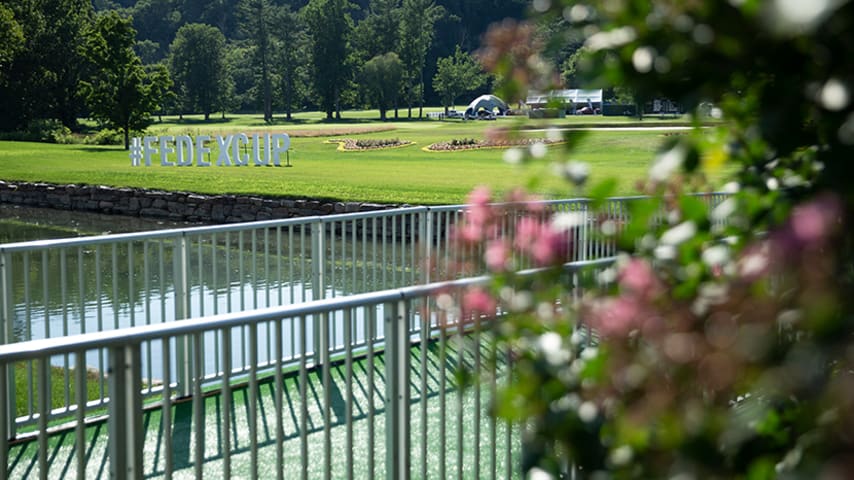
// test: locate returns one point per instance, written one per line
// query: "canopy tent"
(574, 96)
(488, 103)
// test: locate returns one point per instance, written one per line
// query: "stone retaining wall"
(176, 206)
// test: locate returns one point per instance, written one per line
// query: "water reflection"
(97, 287)
(22, 223)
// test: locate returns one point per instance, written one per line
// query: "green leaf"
(600, 192)
(694, 209)
(762, 469)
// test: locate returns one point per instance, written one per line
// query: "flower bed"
(365, 144)
(472, 144)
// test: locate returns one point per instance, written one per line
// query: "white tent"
(574, 96)
(488, 103)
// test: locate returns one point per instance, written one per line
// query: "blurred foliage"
(720, 344)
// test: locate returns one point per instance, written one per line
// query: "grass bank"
(400, 175)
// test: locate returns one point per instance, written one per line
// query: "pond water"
(22, 224)
(65, 292)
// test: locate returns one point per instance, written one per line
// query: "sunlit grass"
(406, 175)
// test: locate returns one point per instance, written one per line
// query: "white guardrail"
(73, 306)
(413, 401)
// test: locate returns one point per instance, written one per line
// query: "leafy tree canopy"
(456, 75)
(120, 94)
(329, 26)
(197, 65)
(723, 335)
(381, 76)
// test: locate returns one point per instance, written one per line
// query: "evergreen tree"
(416, 36)
(379, 31)
(330, 27)
(290, 38)
(257, 24)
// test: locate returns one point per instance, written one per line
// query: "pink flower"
(527, 231)
(530, 203)
(497, 255)
(544, 245)
(550, 248)
(478, 301)
(469, 233)
(615, 316)
(638, 277)
(480, 196)
(813, 221)
(479, 211)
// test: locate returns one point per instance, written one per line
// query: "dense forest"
(65, 59)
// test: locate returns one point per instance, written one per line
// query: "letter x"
(224, 144)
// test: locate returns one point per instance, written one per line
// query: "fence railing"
(381, 400)
(57, 288)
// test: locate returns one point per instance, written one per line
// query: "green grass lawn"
(400, 175)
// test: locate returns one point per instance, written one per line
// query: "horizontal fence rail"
(56, 288)
(375, 398)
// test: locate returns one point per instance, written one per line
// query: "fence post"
(4, 420)
(6, 335)
(125, 420)
(184, 346)
(584, 236)
(425, 235)
(318, 287)
(397, 390)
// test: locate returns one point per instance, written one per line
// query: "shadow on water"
(22, 224)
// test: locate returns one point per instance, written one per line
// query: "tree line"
(122, 62)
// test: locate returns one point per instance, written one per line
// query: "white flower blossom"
(679, 234)
(611, 39)
(716, 255)
(667, 163)
(587, 412)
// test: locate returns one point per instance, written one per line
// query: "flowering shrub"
(463, 141)
(349, 144)
(471, 143)
(377, 142)
(721, 342)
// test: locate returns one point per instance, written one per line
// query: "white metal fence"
(110, 287)
(415, 421)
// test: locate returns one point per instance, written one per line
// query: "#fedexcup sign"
(234, 150)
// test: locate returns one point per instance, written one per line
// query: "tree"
(197, 64)
(455, 75)
(157, 21)
(257, 24)
(119, 93)
(160, 76)
(11, 39)
(723, 335)
(238, 60)
(148, 51)
(569, 69)
(381, 76)
(290, 38)
(329, 26)
(416, 36)
(42, 77)
(379, 31)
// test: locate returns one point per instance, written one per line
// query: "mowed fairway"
(400, 175)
